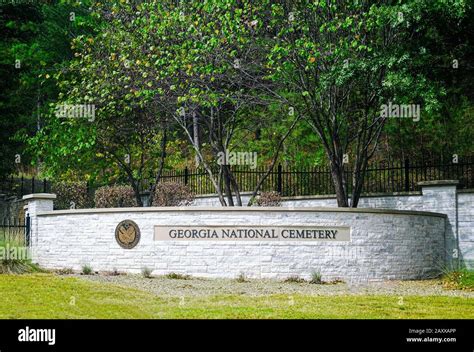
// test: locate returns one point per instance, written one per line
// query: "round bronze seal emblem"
(127, 234)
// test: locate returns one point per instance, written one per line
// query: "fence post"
(33, 184)
(44, 185)
(407, 175)
(279, 186)
(27, 229)
(37, 203)
(186, 175)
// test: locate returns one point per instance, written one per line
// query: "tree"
(35, 41)
(446, 43)
(225, 84)
(345, 60)
(127, 129)
(201, 63)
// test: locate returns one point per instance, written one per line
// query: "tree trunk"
(357, 182)
(274, 160)
(136, 191)
(131, 179)
(196, 135)
(358, 175)
(337, 174)
(235, 186)
(227, 184)
(164, 140)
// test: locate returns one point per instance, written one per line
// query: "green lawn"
(50, 296)
(459, 279)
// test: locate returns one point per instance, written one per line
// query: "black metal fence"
(19, 186)
(381, 177)
(15, 231)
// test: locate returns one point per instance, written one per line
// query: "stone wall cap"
(215, 195)
(438, 183)
(322, 196)
(191, 209)
(33, 196)
(363, 195)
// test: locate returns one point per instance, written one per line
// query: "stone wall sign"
(253, 233)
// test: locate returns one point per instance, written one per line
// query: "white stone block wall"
(384, 244)
(402, 202)
(37, 203)
(437, 196)
(442, 197)
(466, 227)
(405, 202)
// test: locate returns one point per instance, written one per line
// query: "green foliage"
(462, 279)
(14, 258)
(316, 277)
(87, 270)
(445, 44)
(139, 62)
(17, 266)
(177, 276)
(114, 197)
(294, 279)
(343, 61)
(35, 44)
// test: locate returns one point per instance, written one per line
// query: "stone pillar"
(37, 203)
(441, 197)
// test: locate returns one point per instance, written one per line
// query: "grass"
(34, 296)
(14, 266)
(14, 258)
(316, 277)
(87, 270)
(459, 280)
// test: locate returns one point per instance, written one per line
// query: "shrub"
(115, 197)
(316, 277)
(177, 276)
(294, 279)
(241, 278)
(146, 272)
(86, 269)
(18, 263)
(461, 279)
(71, 195)
(17, 266)
(65, 271)
(114, 272)
(267, 199)
(172, 194)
